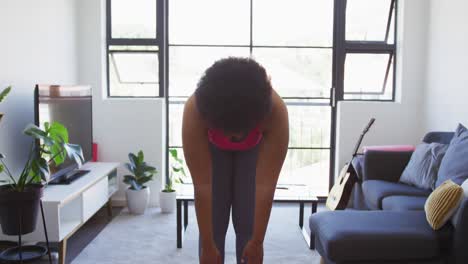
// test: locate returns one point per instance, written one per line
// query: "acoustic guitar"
(339, 195)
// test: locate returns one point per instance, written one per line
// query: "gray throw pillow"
(454, 165)
(422, 168)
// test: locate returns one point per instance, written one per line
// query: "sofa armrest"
(460, 238)
(385, 165)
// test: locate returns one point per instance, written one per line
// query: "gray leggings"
(233, 184)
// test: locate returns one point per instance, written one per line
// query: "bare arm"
(271, 156)
(198, 157)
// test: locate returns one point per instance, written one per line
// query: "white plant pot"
(167, 201)
(137, 201)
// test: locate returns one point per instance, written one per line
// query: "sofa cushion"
(454, 165)
(404, 203)
(423, 166)
(376, 191)
(377, 235)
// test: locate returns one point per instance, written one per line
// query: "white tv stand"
(68, 207)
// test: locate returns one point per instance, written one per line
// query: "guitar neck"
(361, 137)
(358, 144)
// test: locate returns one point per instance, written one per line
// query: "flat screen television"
(71, 106)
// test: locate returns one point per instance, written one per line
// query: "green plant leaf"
(37, 133)
(57, 152)
(168, 187)
(145, 179)
(175, 156)
(175, 169)
(47, 126)
(141, 156)
(4, 93)
(74, 152)
(2, 168)
(133, 160)
(173, 153)
(132, 181)
(130, 167)
(40, 170)
(142, 172)
(58, 132)
(128, 178)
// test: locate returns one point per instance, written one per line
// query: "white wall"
(400, 122)
(446, 97)
(120, 126)
(37, 45)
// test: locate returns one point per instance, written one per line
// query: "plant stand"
(22, 253)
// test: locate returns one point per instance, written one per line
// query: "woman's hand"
(210, 254)
(253, 253)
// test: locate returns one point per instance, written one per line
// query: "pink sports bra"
(217, 137)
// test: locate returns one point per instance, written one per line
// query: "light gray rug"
(151, 238)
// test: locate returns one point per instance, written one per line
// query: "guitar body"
(340, 193)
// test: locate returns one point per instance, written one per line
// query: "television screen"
(71, 106)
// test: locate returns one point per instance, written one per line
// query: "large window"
(316, 51)
(277, 34)
(135, 48)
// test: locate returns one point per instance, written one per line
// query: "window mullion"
(368, 47)
(133, 42)
(339, 48)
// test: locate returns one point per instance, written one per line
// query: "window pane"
(297, 72)
(293, 22)
(209, 22)
(133, 74)
(133, 19)
(309, 124)
(308, 167)
(188, 178)
(365, 76)
(187, 65)
(136, 67)
(176, 110)
(391, 32)
(366, 20)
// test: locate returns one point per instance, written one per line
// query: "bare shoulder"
(192, 120)
(278, 115)
(190, 106)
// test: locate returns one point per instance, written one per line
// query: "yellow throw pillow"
(443, 203)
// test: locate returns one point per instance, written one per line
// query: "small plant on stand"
(138, 193)
(20, 196)
(176, 175)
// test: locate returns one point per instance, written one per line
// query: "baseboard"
(123, 203)
(119, 203)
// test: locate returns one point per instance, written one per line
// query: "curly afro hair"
(234, 94)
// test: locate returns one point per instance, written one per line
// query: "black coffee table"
(283, 194)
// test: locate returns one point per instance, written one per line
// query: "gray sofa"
(379, 171)
(393, 228)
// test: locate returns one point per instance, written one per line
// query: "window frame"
(159, 41)
(342, 47)
(251, 46)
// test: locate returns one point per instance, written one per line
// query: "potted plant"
(3, 94)
(137, 193)
(176, 175)
(20, 196)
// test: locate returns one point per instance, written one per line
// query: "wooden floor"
(82, 237)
